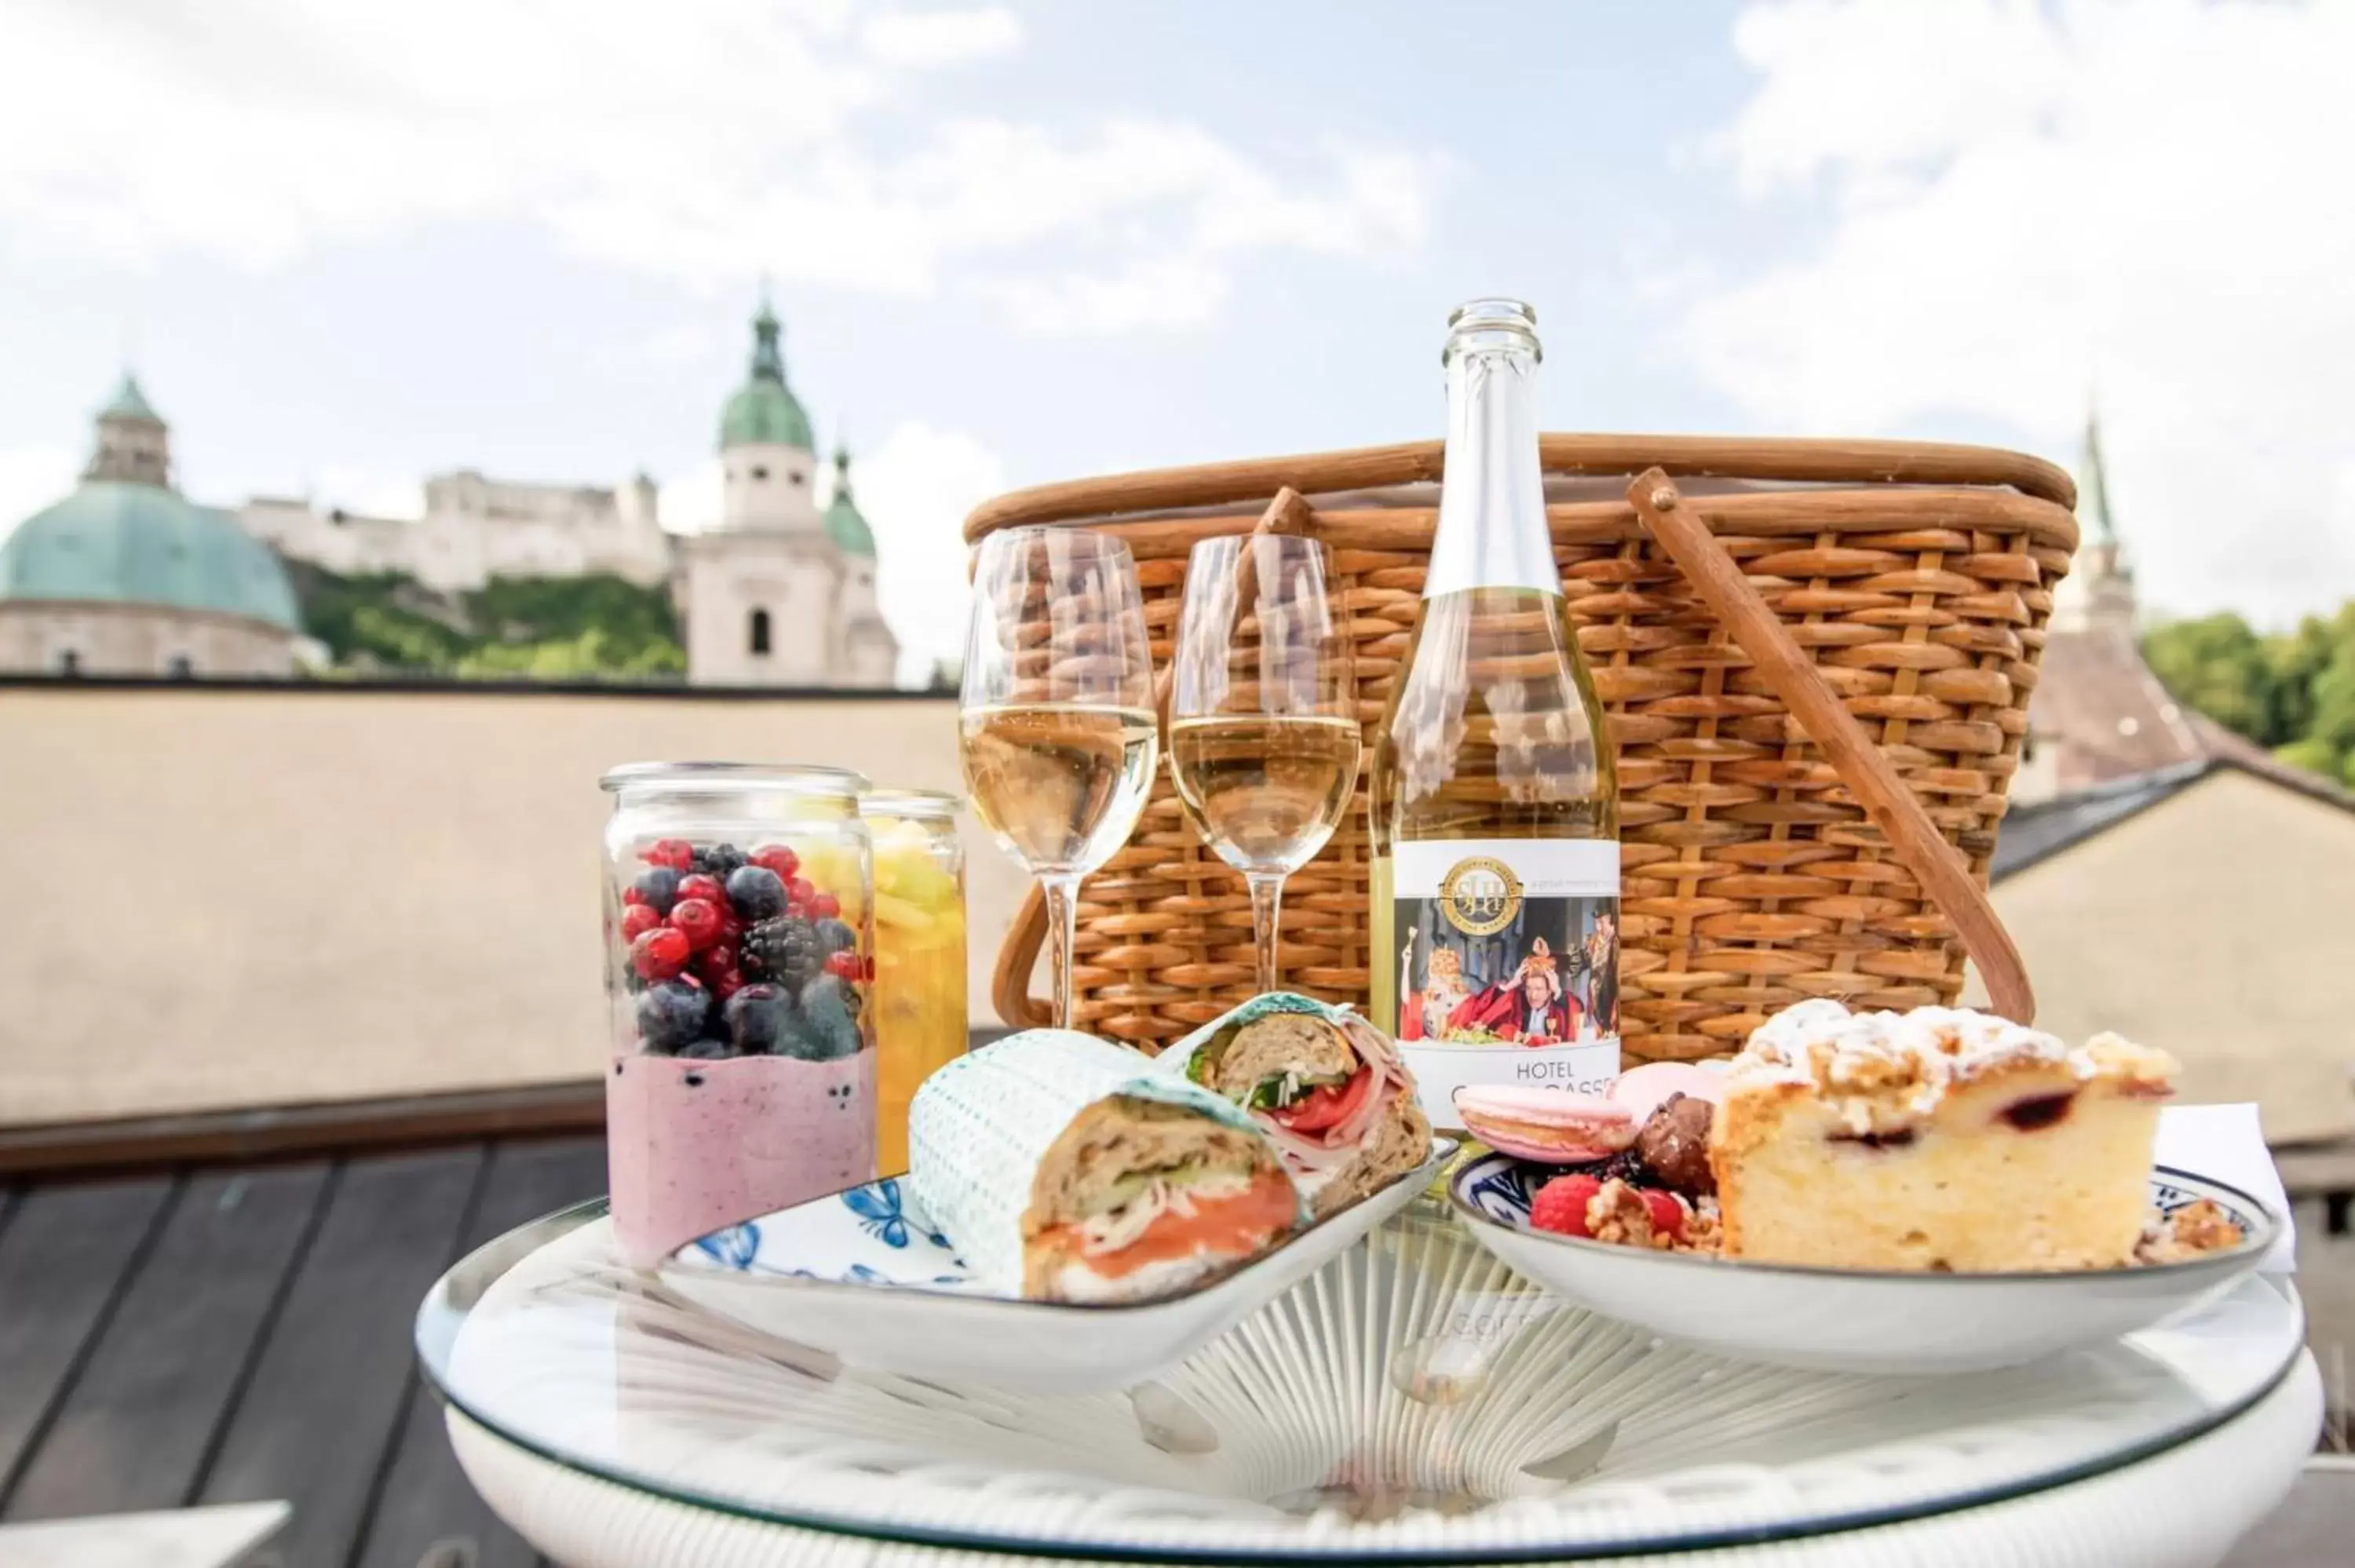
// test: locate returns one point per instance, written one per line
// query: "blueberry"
(719, 861)
(834, 935)
(829, 1020)
(758, 1018)
(658, 886)
(670, 1015)
(757, 892)
(708, 1050)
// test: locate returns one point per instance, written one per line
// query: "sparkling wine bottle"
(1495, 874)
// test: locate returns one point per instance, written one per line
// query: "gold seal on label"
(1480, 895)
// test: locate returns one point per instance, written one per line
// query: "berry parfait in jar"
(739, 957)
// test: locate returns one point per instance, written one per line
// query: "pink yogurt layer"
(695, 1147)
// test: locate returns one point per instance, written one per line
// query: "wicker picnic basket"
(1815, 657)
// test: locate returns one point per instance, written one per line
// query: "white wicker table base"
(2182, 1507)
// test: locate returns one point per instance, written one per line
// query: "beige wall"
(217, 898)
(2219, 925)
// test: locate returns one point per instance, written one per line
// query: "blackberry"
(719, 861)
(785, 950)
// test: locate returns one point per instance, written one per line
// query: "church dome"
(117, 542)
(843, 524)
(764, 411)
(126, 536)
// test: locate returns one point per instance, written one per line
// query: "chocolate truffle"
(1674, 1145)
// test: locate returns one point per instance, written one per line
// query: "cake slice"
(1935, 1139)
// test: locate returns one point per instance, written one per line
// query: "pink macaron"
(1642, 1089)
(1554, 1127)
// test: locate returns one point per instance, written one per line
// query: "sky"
(348, 246)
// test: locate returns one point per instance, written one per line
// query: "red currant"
(659, 954)
(844, 964)
(724, 984)
(716, 959)
(798, 892)
(696, 920)
(824, 906)
(675, 853)
(704, 886)
(779, 859)
(638, 920)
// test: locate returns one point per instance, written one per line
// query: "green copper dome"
(116, 541)
(844, 526)
(764, 411)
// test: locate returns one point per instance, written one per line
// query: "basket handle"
(1009, 983)
(1912, 838)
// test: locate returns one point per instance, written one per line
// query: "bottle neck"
(1492, 522)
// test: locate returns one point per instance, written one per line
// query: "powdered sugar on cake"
(1887, 1070)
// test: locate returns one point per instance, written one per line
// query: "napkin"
(2226, 1144)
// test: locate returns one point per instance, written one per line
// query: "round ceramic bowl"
(1856, 1320)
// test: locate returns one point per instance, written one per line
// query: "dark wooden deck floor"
(243, 1334)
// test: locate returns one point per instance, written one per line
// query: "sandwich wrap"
(1326, 1086)
(1047, 1157)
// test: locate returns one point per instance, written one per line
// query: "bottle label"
(1507, 964)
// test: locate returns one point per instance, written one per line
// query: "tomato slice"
(1327, 1104)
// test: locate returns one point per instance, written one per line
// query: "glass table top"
(1413, 1401)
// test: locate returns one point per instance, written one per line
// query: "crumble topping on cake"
(1882, 1072)
(2195, 1228)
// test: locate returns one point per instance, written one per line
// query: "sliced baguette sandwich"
(1327, 1086)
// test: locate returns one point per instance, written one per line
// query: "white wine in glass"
(1061, 787)
(1056, 717)
(1264, 739)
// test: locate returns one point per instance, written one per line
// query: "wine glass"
(1263, 738)
(1056, 715)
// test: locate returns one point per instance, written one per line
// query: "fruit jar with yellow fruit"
(920, 969)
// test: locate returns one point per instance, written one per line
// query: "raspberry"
(800, 892)
(659, 954)
(638, 920)
(1668, 1214)
(697, 921)
(675, 853)
(779, 859)
(824, 906)
(703, 887)
(1561, 1205)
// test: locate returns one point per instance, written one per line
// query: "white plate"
(1856, 1320)
(864, 1277)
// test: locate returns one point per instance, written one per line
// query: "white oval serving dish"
(1856, 1320)
(864, 1277)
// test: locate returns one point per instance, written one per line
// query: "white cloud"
(699, 144)
(938, 38)
(915, 490)
(31, 479)
(2027, 201)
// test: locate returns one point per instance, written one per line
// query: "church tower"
(2098, 594)
(134, 443)
(780, 593)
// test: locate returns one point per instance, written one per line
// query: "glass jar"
(739, 947)
(919, 964)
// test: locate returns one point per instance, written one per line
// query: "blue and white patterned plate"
(865, 1276)
(1858, 1320)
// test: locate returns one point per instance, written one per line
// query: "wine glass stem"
(1267, 899)
(1062, 931)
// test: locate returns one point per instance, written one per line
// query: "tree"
(2218, 665)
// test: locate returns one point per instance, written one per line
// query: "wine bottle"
(1495, 827)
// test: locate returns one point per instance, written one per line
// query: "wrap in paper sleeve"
(1053, 1161)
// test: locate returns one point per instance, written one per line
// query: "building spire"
(2096, 496)
(767, 354)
